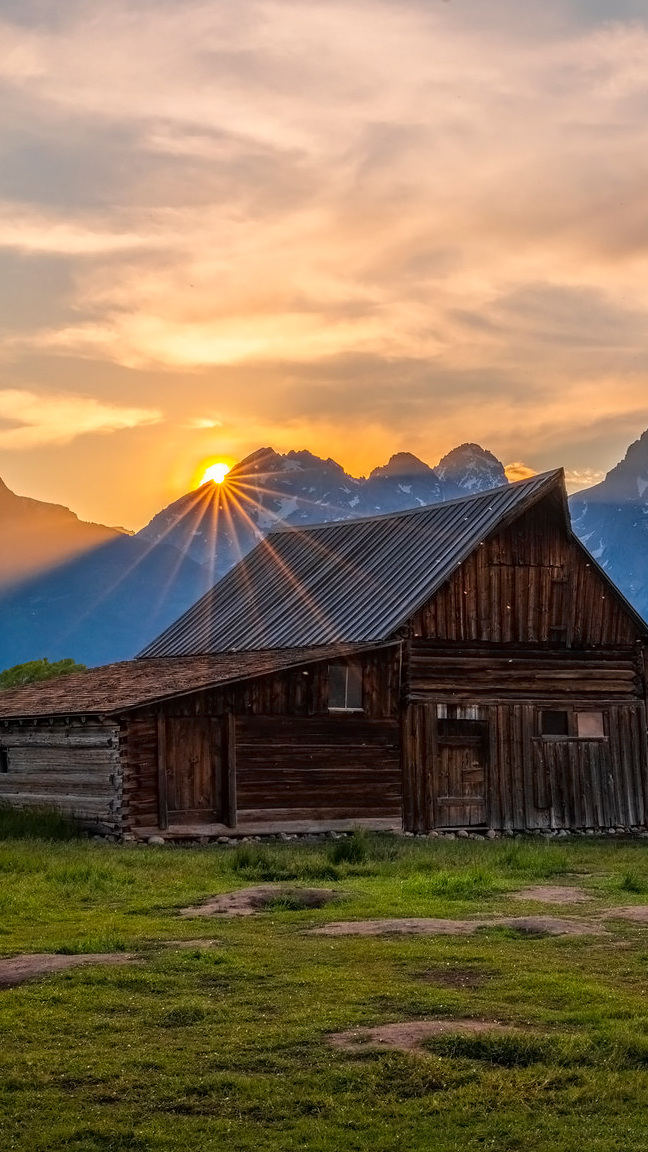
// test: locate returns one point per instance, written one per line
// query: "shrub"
(632, 881)
(37, 824)
(351, 850)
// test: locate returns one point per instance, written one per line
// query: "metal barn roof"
(355, 581)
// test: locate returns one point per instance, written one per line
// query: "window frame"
(347, 668)
(572, 713)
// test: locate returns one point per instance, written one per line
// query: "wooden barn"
(462, 665)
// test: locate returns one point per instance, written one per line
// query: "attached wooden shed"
(196, 746)
(466, 664)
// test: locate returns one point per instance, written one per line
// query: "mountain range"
(268, 488)
(106, 594)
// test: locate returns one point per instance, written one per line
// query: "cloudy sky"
(356, 227)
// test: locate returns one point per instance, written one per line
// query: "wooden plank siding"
(470, 673)
(534, 782)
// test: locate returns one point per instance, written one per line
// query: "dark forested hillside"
(38, 535)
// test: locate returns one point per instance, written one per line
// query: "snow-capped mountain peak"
(401, 464)
(471, 469)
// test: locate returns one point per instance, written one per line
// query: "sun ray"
(227, 514)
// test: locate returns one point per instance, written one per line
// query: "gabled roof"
(116, 688)
(355, 581)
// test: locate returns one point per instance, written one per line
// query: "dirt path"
(16, 970)
(636, 912)
(425, 926)
(552, 894)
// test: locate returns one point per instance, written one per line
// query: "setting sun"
(216, 472)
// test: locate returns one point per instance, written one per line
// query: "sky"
(355, 227)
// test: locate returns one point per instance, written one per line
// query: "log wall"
(466, 674)
(139, 756)
(71, 766)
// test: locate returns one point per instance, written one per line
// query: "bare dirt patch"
(636, 912)
(416, 926)
(246, 901)
(552, 894)
(410, 1035)
(547, 926)
(16, 970)
(426, 926)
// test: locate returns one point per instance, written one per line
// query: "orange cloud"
(519, 471)
(41, 419)
(583, 478)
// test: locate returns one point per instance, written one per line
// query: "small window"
(589, 725)
(345, 687)
(553, 723)
(456, 728)
(4, 759)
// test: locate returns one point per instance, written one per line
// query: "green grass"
(225, 1047)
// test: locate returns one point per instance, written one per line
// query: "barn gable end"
(531, 583)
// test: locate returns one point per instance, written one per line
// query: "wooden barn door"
(460, 773)
(193, 787)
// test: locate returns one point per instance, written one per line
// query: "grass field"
(226, 1047)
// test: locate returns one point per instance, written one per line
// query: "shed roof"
(116, 688)
(354, 581)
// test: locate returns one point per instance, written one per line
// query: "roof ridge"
(553, 474)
